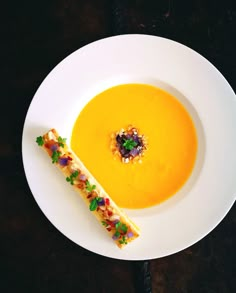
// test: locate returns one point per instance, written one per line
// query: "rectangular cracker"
(121, 229)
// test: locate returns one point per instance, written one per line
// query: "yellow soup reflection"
(170, 155)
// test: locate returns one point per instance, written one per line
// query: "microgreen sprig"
(124, 228)
(55, 156)
(129, 144)
(72, 177)
(121, 227)
(40, 140)
(123, 240)
(89, 186)
(104, 223)
(117, 234)
(117, 225)
(94, 204)
(61, 141)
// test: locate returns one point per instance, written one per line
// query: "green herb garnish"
(90, 187)
(72, 177)
(93, 204)
(123, 240)
(61, 141)
(55, 156)
(104, 223)
(117, 234)
(129, 144)
(40, 140)
(121, 227)
(117, 225)
(124, 228)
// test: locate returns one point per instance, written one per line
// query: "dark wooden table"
(35, 36)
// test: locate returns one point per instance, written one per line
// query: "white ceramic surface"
(211, 190)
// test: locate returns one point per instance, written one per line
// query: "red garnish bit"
(112, 224)
(109, 229)
(107, 201)
(90, 195)
(50, 143)
(81, 185)
(110, 213)
(69, 158)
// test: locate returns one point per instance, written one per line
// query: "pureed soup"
(163, 144)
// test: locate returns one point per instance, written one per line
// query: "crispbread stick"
(121, 229)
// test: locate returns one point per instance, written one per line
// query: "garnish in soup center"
(128, 144)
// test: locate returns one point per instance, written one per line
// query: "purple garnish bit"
(136, 139)
(115, 237)
(54, 147)
(123, 151)
(137, 144)
(134, 152)
(116, 221)
(101, 202)
(82, 177)
(130, 234)
(63, 161)
(119, 139)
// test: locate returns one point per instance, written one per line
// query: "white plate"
(210, 192)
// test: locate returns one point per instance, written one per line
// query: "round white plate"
(209, 193)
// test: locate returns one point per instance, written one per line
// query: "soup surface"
(171, 138)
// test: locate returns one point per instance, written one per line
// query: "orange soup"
(171, 143)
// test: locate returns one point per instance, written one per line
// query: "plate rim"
(35, 95)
